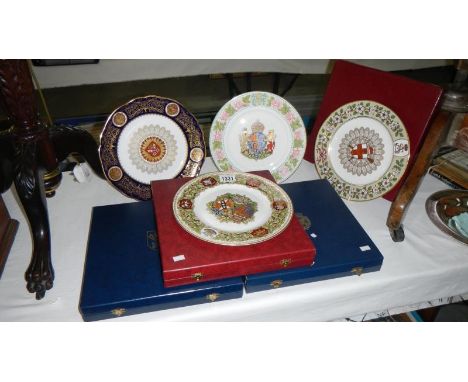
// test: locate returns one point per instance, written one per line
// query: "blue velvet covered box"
(343, 247)
(122, 274)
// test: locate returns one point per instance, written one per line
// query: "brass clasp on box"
(357, 271)
(197, 276)
(276, 283)
(118, 311)
(213, 297)
(285, 262)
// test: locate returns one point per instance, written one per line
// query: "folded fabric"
(459, 223)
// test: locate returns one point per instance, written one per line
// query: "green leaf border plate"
(280, 203)
(283, 109)
(385, 117)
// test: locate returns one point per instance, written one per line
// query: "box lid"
(207, 261)
(413, 101)
(122, 272)
(343, 246)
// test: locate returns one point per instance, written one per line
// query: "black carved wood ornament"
(30, 155)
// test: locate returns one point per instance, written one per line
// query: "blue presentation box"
(343, 247)
(122, 274)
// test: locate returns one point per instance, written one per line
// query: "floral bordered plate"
(258, 131)
(232, 208)
(448, 210)
(150, 138)
(363, 149)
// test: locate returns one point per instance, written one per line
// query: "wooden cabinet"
(8, 228)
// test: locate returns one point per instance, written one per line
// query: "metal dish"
(443, 206)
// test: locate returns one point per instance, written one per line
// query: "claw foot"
(39, 277)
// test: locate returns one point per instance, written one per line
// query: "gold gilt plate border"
(119, 119)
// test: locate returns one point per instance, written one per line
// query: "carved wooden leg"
(34, 155)
(30, 187)
(409, 188)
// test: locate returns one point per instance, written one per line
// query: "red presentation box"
(203, 261)
(413, 101)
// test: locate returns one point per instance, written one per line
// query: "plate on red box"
(150, 138)
(363, 150)
(232, 208)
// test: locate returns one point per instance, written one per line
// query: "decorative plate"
(232, 208)
(363, 149)
(150, 138)
(258, 131)
(448, 210)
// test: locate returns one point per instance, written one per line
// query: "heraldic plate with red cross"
(363, 149)
(189, 258)
(397, 104)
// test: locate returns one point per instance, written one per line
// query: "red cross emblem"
(360, 151)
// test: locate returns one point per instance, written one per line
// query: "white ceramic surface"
(334, 154)
(150, 138)
(244, 120)
(232, 208)
(362, 149)
(258, 131)
(131, 167)
(260, 217)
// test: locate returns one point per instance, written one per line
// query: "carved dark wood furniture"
(30, 158)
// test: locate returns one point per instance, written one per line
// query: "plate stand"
(30, 158)
(454, 102)
(410, 187)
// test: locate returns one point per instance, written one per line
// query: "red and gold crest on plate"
(262, 231)
(186, 204)
(233, 208)
(172, 109)
(153, 149)
(209, 181)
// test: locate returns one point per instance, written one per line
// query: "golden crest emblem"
(256, 144)
(233, 208)
(153, 149)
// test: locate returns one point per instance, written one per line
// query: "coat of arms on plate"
(233, 208)
(152, 149)
(361, 151)
(256, 144)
